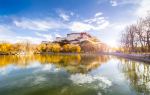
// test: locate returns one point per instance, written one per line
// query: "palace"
(74, 37)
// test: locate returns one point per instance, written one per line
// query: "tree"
(5, 47)
(136, 38)
(66, 48)
(56, 48)
(42, 47)
(77, 48)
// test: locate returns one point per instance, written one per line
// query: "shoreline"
(136, 57)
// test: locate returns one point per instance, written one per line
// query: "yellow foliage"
(56, 48)
(5, 47)
(71, 48)
(42, 47)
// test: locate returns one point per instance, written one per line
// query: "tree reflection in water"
(73, 63)
(138, 75)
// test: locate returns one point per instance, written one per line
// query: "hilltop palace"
(77, 38)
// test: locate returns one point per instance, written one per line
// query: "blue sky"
(38, 20)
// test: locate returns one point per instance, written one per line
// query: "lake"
(62, 74)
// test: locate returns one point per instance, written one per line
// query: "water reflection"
(138, 74)
(84, 79)
(66, 74)
(52, 74)
(72, 63)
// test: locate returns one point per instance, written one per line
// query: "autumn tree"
(136, 38)
(55, 48)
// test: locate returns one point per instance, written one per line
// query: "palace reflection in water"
(72, 63)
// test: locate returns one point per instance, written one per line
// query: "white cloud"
(45, 36)
(80, 27)
(45, 25)
(72, 13)
(15, 39)
(6, 33)
(113, 2)
(63, 14)
(98, 14)
(37, 24)
(57, 35)
(5, 29)
(124, 2)
(102, 25)
(142, 6)
(143, 9)
(94, 20)
(97, 23)
(36, 40)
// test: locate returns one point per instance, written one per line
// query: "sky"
(44, 20)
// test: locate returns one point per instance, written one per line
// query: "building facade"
(74, 37)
